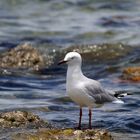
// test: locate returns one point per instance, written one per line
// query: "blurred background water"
(62, 24)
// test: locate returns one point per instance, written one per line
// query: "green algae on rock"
(64, 134)
(15, 119)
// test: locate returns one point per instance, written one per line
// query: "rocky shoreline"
(26, 58)
(41, 130)
(64, 134)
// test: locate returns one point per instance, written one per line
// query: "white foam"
(118, 102)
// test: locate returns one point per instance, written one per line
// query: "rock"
(20, 119)
(103, 52)
(23, 125)
(131, 73)
(22, 56)
(64, 134)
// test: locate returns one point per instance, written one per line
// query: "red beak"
(61, 62)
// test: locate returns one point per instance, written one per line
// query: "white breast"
(79, 96)
(75, 86)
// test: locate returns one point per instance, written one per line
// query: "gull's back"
(94, 89)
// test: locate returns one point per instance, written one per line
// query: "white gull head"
(73, 58)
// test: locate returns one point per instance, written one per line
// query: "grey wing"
(100, 95)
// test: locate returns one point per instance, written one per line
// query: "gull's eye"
(72, 57)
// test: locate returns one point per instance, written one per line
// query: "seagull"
(84, 91)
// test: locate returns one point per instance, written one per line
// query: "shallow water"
(61, 24)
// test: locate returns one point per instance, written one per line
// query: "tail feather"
(121, 94)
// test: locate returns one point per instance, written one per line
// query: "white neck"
(74, 72)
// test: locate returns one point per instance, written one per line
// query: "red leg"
(80, 118)
(90, 115)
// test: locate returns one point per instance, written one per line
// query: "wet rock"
(64, 134)
(20, 119)
(22, 56)
(104, 52)
(131, 73)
